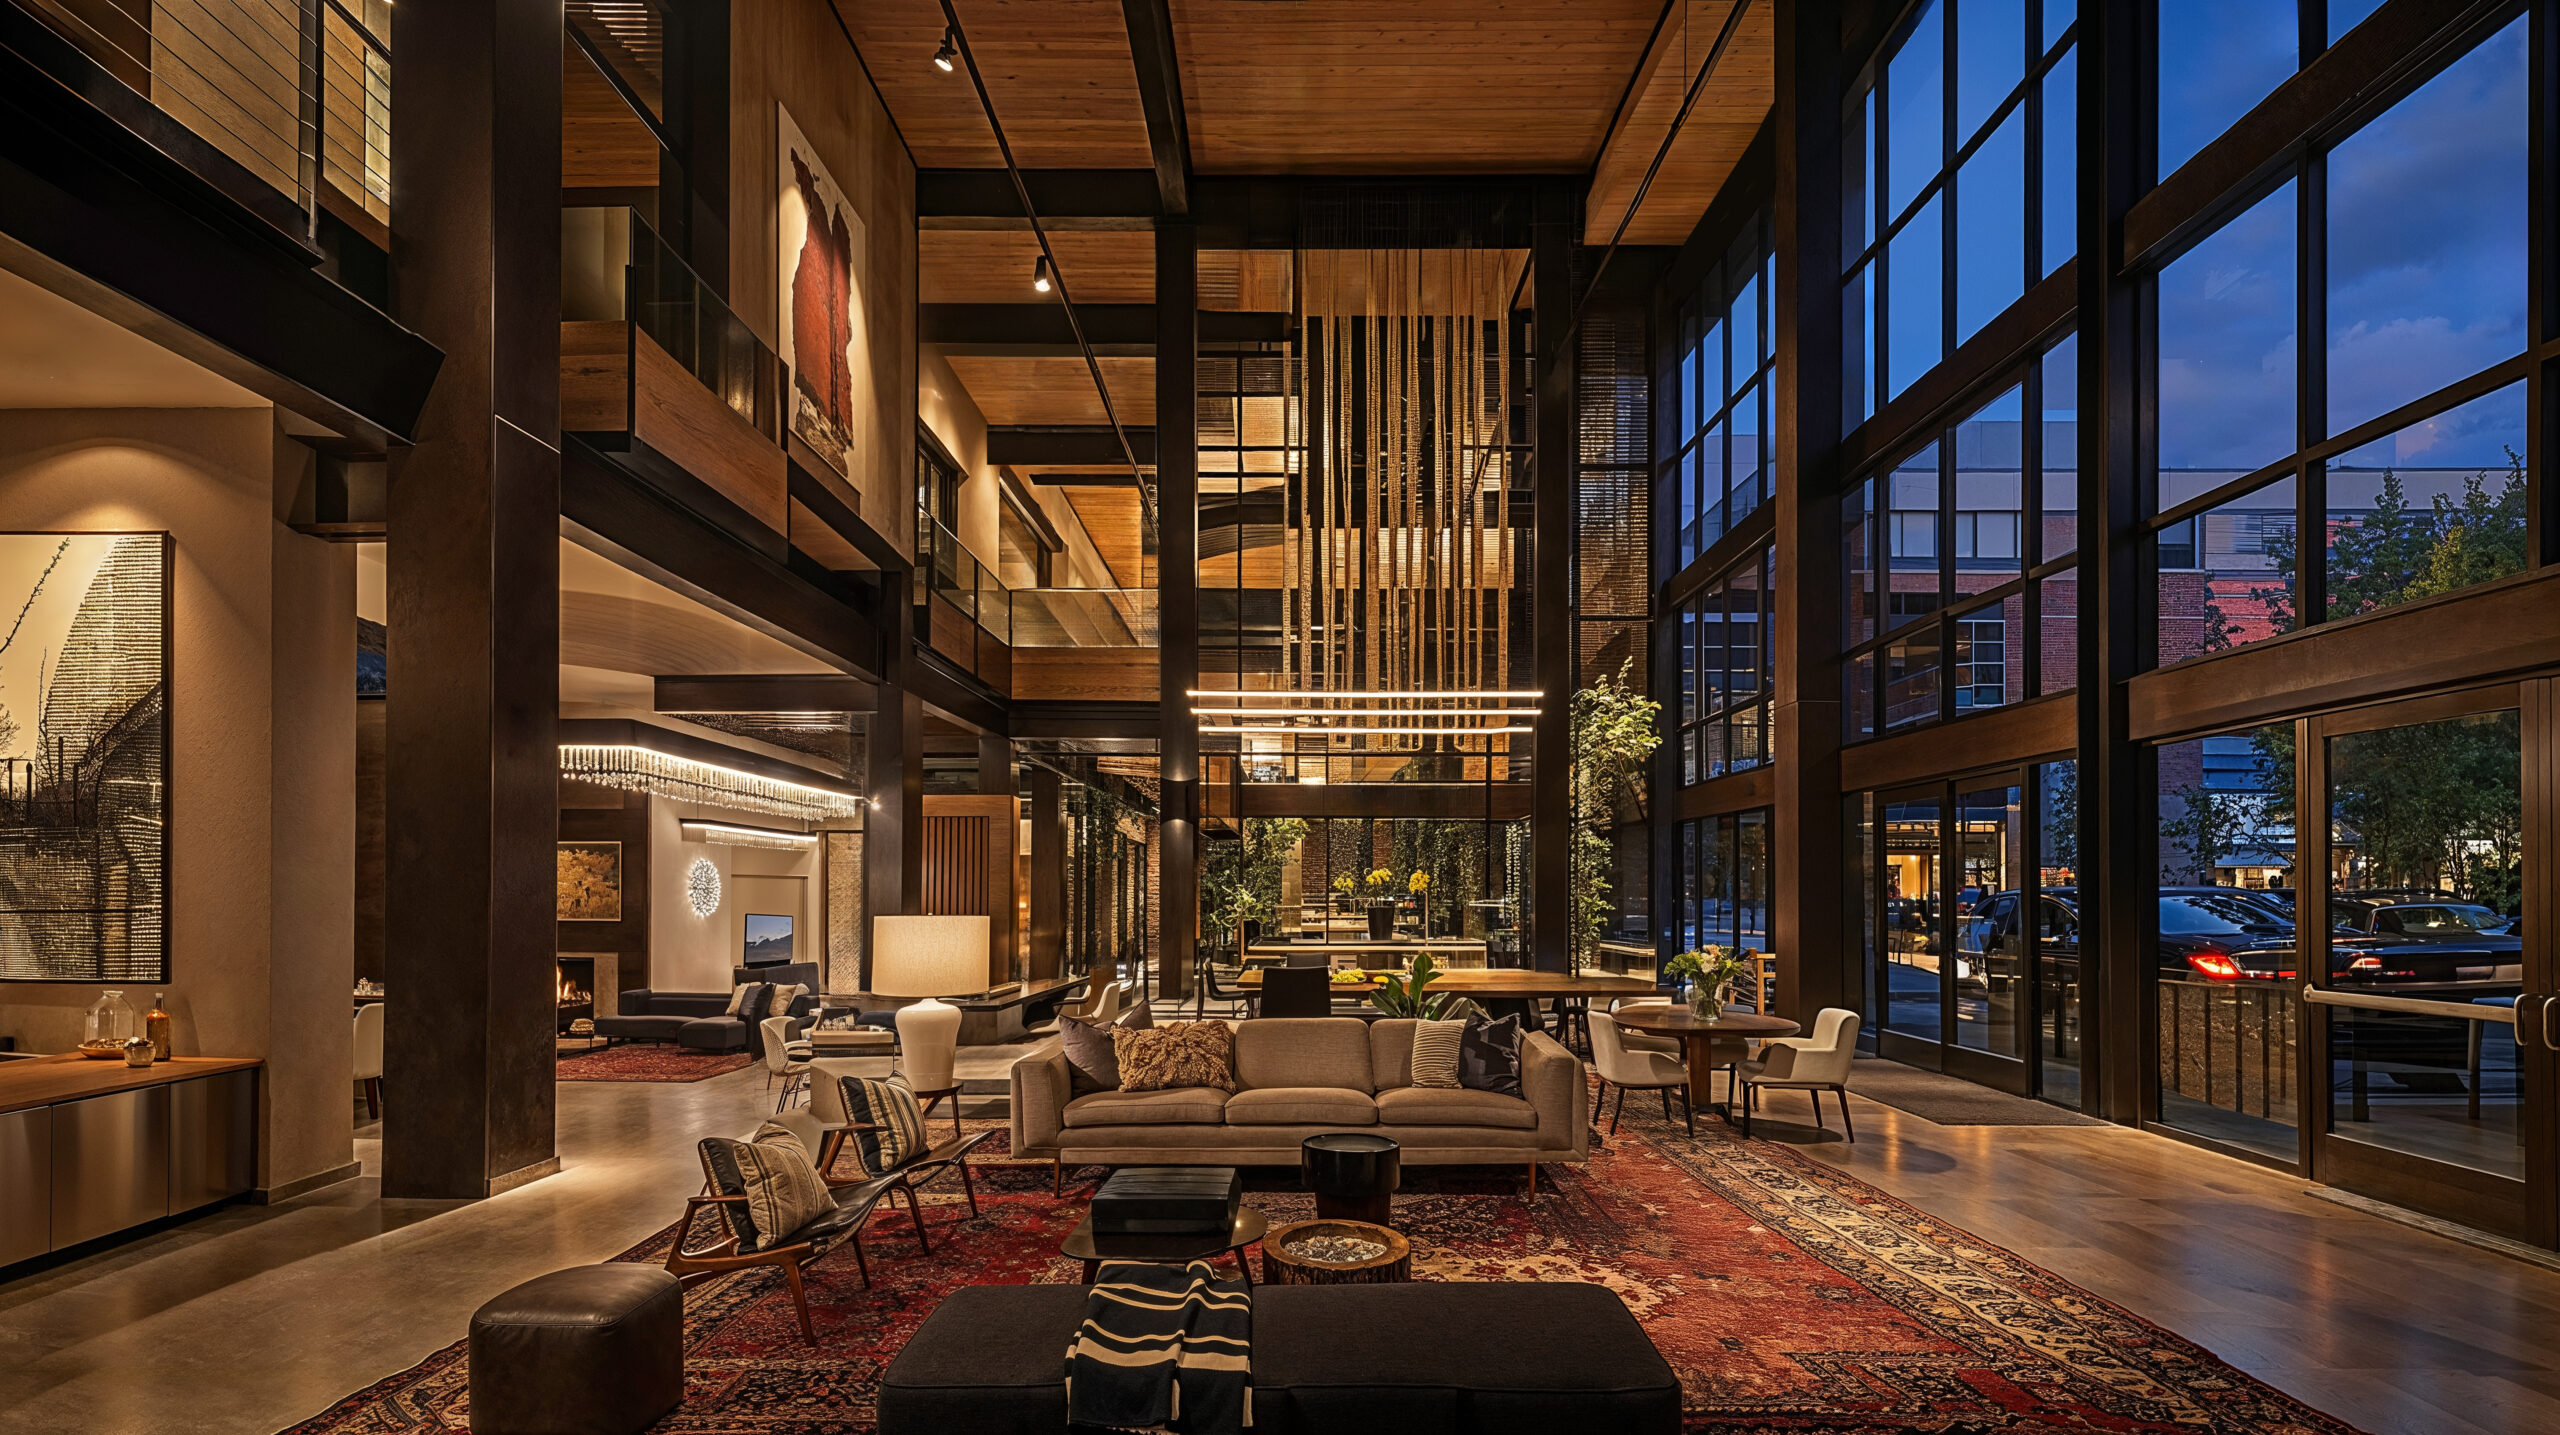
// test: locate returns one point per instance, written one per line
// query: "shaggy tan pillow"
(1182, 1053)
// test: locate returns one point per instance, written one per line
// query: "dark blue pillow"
(1489, 1055)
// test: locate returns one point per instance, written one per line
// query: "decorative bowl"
(102, 1050)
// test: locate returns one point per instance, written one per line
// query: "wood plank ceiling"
(1720, 126)
(1059, 71)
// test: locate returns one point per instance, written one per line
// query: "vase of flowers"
(1382, 907)
(1710, 973)
(1419, 884)
(1345, 887)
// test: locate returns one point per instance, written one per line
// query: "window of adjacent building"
(2397, 447)
(1719, 472)
(1970, 604)
(1960, 183)
(1724, 634)
(1725, 881)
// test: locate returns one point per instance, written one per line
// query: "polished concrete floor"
(252, 1318)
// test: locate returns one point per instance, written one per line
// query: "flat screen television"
(768, 939)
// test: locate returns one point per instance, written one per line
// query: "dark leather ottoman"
(1465, 1359)
(592, 1350)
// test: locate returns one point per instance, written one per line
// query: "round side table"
(1353, 1175)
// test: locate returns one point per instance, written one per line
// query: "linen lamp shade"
(929, 957)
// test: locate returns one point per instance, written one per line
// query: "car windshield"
(2448, 920)
(2210, 916)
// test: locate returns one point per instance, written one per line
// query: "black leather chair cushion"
(592, 1350)
(1499, 1358)
(713, 1033)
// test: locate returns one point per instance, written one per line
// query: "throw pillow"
(737, 998)
(1091, 1064)
(1186, 1053)
(1489, 1056)
(1435, 1052)
(781, 1184)
(751, 1006)
(890, 1107)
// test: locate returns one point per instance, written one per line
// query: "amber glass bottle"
(155, 1025)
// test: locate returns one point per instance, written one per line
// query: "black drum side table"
(1352, 1175)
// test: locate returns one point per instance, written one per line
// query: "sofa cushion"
(1179, 1106)
(1390, 1053)
(1435, 1106)
(1304, 1051)
(713, 1033)
(1301, 1106)
(1489, 1056)
(1185, 1053)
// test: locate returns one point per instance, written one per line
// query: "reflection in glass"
(2055, 927)
(1989, 665)
(2226, 348)
(2226, 575)
(2058, 633)
(2427, 236)
(1990, 966)
(1913, 935)
(2433, 508)
(2229, 1007)
(1990, 496)
(1911, 677)
(2427, 843)
(1911, 538)
(1858, 563)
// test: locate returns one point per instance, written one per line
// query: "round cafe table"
(1697, 1033)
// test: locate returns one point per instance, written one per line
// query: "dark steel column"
(1551, 295)
(1810, 929)
(2118, 826)
(1049, 845)
(1178, 596)
(474, 598)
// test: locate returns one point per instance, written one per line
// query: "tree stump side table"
(1283, 1269)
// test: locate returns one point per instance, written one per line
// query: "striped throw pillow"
(1435, 1053)
(780, 1181)
(892, 1108)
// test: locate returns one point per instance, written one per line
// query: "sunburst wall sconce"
(702, 887)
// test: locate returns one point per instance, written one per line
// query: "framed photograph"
(824, 248)
(84, 757)
(590, 881)
(768, 939)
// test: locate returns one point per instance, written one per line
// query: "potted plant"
(1403, 995)
(1382, 909)
(1345, 887)
(1419, 884)
(1710, 973)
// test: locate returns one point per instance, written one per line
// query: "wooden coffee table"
(1697, 1033)
(1083, 1245)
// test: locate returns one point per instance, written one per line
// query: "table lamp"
(929, 957)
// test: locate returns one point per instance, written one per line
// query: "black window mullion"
(2542, 284)
(2311, 387)
(1948, 48)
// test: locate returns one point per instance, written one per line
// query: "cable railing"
(245, 77)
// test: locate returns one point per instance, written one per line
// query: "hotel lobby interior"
(1284, 715)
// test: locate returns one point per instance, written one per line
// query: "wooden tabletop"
(1507, 982)
(1677, 1020)
(44, 1080)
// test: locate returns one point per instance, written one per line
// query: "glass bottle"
(156, 1025)
(109, 1024)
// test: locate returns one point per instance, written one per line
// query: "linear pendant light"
(632, 768)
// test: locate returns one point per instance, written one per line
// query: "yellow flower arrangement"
(1380, 879)
(1418, 883)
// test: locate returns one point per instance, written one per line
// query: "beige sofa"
(1296, 1079)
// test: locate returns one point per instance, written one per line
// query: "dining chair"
(779, 1061)
(1297, 991)
(1106, 1004)
(1812, 1065)
(368, 1056)
(1635, 1040)
(1628, 1068)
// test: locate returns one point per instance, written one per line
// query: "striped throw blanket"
(1163, 1348)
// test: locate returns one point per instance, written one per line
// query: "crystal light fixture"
(702, 887)
(639, 769)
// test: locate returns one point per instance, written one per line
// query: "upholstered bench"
(1465, 1358)
(592, 1350)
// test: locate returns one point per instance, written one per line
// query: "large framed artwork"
(590, 882)
(824, 249)
(84, 757)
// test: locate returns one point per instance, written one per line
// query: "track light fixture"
(947, 58)
(1040, 275)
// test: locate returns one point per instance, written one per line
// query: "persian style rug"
(649, 1063)
(1788, 1296)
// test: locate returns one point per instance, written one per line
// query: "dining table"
(1697, 1032)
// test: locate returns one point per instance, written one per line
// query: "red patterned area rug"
(1788, 1296)
(649, 1063)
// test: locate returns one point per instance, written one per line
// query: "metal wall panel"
(110, 1163)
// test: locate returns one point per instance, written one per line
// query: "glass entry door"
(2427, 1041)
(1960, 962)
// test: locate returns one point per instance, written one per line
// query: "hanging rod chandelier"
(632, 768)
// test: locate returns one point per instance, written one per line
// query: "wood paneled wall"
(969, 868)
(792, 53)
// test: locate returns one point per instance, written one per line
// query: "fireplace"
(577, 989)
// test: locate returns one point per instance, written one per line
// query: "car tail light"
(2215, 965)
(2365, 964)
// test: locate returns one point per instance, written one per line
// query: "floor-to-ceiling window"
(1717, 400)
(1724, 633)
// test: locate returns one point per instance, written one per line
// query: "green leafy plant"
(1403, 995)
(1614, 730)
